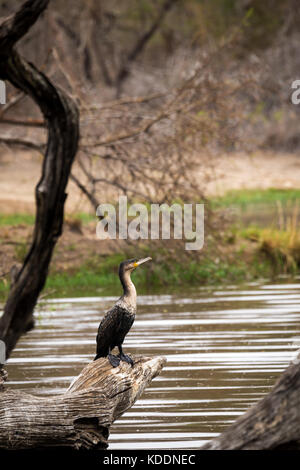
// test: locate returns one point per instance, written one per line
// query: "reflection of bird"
(119, 319)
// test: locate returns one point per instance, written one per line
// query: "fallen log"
(81, 417)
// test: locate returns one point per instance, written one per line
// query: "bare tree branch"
(21, 143)
(95, 203)
(16, 26)
(141, 44)
(28, 123)
(13, 101)
(61, 115)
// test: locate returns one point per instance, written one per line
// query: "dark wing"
(113, 329)
(126, 322)
(107, 331)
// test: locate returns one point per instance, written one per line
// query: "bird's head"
(131, 264)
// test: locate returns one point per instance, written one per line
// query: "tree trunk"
(61, 116)
(81, 417)
(272, 424)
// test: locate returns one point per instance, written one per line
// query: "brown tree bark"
(61, 117)
(80, 418)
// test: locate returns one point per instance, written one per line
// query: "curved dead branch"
(61, 116)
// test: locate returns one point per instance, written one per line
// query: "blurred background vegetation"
(180, 100)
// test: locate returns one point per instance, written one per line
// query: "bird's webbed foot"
(125, 358)
(114, 360)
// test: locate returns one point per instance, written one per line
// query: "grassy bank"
(246, 197)
(91, 280)
(159, 276)
(247, 252)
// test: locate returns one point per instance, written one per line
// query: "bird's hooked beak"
(142, 261)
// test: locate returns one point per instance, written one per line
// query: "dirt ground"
(20, 171)
(260, 170)
(77, 245)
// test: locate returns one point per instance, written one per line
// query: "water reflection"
(224, 348)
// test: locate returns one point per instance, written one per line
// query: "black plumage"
(113, 329)
(119, 319)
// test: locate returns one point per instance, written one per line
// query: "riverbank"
(260, 240)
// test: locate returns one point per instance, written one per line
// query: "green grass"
(255, 252)
(16, 219)
(102, 278)
(280, 247)
(83, 217)
(28, 219)
(4, 287)
(239, 198)
(247, 197)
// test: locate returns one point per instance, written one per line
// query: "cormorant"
(119, 319)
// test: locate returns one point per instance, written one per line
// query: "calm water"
(225, 348)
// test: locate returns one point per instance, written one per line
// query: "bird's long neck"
(129, 296)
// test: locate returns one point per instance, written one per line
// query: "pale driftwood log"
(272, 424)
(81, 417)
(3, 378)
